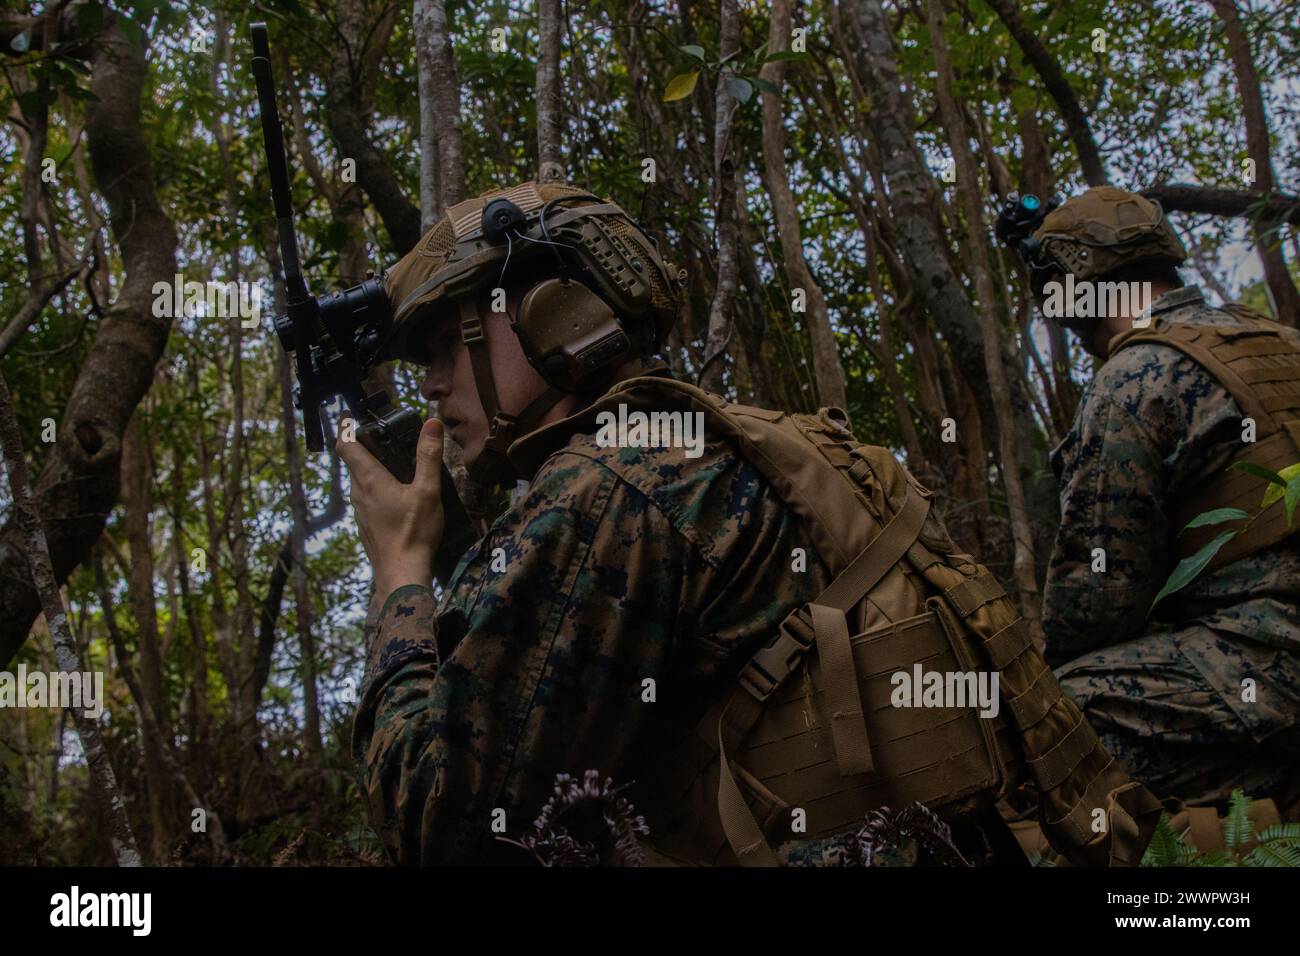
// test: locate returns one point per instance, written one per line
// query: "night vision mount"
(1020, 218)
(335, 339)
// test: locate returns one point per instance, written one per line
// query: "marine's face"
(450, 378)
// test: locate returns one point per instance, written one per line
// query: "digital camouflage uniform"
(1166, 695)
(620, 564)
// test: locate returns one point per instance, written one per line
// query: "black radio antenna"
(301, 327)
(273, 140)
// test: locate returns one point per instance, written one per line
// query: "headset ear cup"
(570, 334)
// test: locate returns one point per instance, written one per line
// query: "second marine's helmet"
(1101, 232)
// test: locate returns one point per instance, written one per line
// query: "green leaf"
(1274, 493)
(1281, 831)
(1189, 568)
(695, 51)
(90, 19)
(766, 85)
(1259, 471)
(30, 102)
(681, 86)
(740, 89)
(336, 234)
(1237, 826)
(1292, 498)
(1274, 854)
(1166, 847)
(1217, 516)
(784, 55)
(1214, 858)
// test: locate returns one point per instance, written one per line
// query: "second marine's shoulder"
(1137, 370)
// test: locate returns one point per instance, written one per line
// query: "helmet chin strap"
(492, 466)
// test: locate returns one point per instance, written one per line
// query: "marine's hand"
(400, 525)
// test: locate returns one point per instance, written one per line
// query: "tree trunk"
(828, 372)
(149, 719)
(137, 503)
(433, 41)
(549, 105)
(969, 193)
(78, 485)
(726, 188)
(298, 539)
(102, 779)
(431, 208)
(199, 717)
(1281, 290)
(348, 103)
(922, 247)
(1181, 197)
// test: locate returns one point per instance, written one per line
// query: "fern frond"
(1274, 854)
(1165, 848)
(1238, 828)
(1280, 831)
(1214, 858)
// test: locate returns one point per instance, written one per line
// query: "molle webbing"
(1258, 363)
(797, 732)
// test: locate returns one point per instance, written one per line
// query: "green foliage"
(1188, 568)
(681, 86)
(1166, 848)
(1217, 516)
(1237, 828)
(1284, 484)
(1276, 845)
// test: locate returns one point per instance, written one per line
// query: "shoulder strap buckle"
(768, 668)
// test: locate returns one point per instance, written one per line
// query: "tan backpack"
(809, 725)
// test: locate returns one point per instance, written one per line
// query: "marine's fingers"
(428, 458)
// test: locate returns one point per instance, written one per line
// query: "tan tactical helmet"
(533, 229)
(599, 295)
(1105, 230)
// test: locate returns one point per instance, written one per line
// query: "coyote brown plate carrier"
(1258, 362)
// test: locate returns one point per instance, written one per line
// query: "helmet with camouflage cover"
(534, 229)
(1103, 231)
(599, 295)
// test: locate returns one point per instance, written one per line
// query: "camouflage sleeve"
(1104, 570)
(561, 626)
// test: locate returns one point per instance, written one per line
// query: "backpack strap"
(770, 667)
